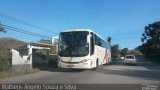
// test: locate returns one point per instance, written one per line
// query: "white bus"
(82, 49)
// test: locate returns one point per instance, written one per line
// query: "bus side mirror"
(88, 38)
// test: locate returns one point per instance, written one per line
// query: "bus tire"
(96, 67)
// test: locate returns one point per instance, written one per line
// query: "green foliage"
(109, 39)
(4, 65)
(3, 52)
(151, 41)
(152, 33)
(115, 50)
(124, 51)
(134, 52)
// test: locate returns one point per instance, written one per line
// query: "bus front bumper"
(86, 65)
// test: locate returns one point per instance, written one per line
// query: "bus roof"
(89, 30)
(70, 30)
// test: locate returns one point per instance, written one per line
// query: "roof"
(70, 30)
(38, 44)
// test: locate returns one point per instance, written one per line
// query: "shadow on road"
(120, 62)
(56, 69)
(152, 70)
(133, 73)
(67, 70)
(140, 62)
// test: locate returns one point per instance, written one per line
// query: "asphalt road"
(115, 73)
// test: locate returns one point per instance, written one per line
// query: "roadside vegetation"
(151, 41)
(150, 47)
(115, 50)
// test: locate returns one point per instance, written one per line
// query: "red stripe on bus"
(105, 56)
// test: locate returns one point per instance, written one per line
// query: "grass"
(5, 74)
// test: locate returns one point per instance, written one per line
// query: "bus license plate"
(69, 65)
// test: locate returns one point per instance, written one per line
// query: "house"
(25, 56)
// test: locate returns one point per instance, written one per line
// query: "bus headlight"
(61, 61)
(85, 60)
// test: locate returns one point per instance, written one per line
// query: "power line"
(24, 31)
(2, 29)
(40, 35)
(25, 23)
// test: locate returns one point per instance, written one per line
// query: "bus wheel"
(97, 64)
(95, 68)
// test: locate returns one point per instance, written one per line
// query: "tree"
(134, 52)
(151, 41)
(115, 50)
(152, 33)
(124, 51)
(109, 39)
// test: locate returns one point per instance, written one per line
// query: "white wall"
(17, 59)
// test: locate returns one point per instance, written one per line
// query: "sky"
(123, 20)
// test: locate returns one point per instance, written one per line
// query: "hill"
(7, 43)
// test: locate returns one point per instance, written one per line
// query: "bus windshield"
(73, 44)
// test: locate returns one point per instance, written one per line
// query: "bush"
(4, 65)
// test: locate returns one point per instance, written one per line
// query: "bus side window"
(96, 40)
(99, 43)
(92, 43)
